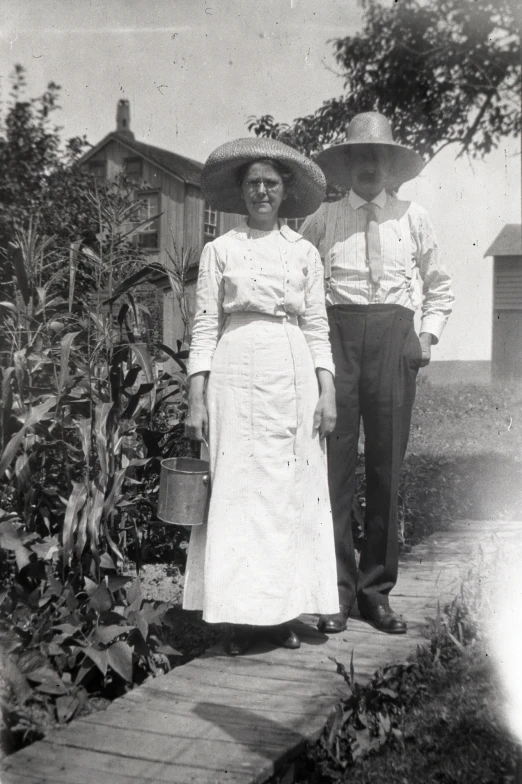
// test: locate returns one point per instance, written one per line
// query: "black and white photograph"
(260, 392)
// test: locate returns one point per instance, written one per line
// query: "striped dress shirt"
(413, 273)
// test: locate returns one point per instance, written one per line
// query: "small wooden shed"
(506, 250)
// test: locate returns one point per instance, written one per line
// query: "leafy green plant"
(81, 439)
(66, 636)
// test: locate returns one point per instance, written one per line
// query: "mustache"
(370, 174)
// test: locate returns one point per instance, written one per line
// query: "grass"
(439, 718)
(450, 733)
(463, 459)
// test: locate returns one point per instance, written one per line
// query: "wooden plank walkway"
(220, 720)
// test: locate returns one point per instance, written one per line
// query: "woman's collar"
(241, 232)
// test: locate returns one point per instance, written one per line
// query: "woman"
(260, 347)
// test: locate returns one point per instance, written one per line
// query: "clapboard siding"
(182, 209)
(507, 293)
(229, 220)
(194, 210)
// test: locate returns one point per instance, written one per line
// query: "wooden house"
(507, 302)
(169, 184)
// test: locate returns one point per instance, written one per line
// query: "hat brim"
(406, 163)
(219, 176)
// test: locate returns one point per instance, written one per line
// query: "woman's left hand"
(325, 413)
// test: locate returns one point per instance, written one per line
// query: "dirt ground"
(190, 635)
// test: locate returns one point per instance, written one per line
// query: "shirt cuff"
(434, 325)
(198, 364)
(324, 364)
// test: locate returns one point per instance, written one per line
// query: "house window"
(134, 168)
(97, 169)
(295, 223)
(209, 223)
(148, 237)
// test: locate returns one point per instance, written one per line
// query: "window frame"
(208, 236)
(141, 196)
(101, 165)
(295, 224)
(133, 159)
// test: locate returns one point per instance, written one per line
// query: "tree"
(39, 176)
(44, 190)
(445, 72)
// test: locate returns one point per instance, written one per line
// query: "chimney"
(123, 119)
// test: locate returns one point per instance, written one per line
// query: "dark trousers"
(377, 355)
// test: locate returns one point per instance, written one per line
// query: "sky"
(194, 71)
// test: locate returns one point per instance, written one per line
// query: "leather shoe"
(384, 619)
(239, 640)
(283, 636)
(331, 624)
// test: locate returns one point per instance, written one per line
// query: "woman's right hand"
(196, 422)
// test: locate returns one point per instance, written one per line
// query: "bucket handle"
(206, 478)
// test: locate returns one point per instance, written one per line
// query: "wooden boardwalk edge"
(218, 720)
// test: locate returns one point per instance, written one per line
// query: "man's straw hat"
(370, 128)
(219, 177)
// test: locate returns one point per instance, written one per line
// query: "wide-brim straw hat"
(219, 176)
(370, 128)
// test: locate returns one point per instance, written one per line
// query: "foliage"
(445, 73)
(66, 635)
(432, 718)
(179, 263)
(44, 188)
(80, 449)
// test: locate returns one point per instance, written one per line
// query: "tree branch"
(471, 131)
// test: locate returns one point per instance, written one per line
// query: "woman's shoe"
(283, 636)
(239, 640)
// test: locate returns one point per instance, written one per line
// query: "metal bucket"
(184, 491)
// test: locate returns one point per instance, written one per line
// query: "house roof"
(508, 242)
(185, 169)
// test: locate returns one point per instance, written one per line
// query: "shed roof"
(508, 242)
(185, 169)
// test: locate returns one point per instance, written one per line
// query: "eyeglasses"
(270, 185)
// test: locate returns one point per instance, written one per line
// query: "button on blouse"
(277, 273)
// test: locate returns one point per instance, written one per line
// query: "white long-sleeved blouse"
(277, 273)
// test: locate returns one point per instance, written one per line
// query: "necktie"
(373, 242)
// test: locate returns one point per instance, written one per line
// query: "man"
(374, 248)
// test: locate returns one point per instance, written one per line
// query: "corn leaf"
(36, 415)
(84, 427)
(175, 355)
(113, 497)
(17, 260)
(140, 227)
(74, 506)
(81, 537)
(143, 359)
(110, 541)
(74, 253)
(7, 400)
(66, 344)
(100, 431)
(130, 282)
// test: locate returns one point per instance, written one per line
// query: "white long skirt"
(267, 552)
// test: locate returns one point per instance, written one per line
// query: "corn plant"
(79, 406)
(79, 389)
